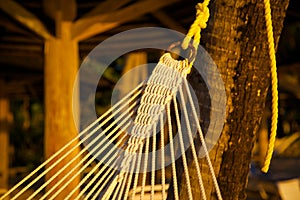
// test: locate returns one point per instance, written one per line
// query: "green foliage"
(26, 134)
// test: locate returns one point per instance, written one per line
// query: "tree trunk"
(236, 40)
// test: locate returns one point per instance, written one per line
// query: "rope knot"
(202, 15)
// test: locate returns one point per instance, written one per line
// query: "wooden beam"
(25, 17)
(21, 78)
(13, 27)
(26, 47)
(106, 6)
(26, 62)
(89, 26)
(60, 11)
(65, 10)
(168, 21)
(21, 39)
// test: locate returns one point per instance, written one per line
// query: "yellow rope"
(202, 15)
(268, 18)
(194, 32)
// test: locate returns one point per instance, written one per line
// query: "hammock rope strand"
(86, 164)
(83, 159)
(57, 154)
(153, 162)
(194, 113)
(191, 139)
(162, 138)
(145, 167)
(136, 178)
(175, 186)
(184, 160)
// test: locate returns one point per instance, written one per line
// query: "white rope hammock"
(133, 155)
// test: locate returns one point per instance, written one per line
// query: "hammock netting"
(130, 151)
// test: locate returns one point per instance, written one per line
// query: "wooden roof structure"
(25, 24)
(22, 36)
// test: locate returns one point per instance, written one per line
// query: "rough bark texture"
(236, 40)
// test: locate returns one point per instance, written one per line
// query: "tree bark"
(236, 39)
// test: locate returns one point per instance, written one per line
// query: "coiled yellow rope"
(274, 88)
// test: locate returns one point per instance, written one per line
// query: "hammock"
(119, 170)
(137, 158)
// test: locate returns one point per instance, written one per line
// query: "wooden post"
(4, 139)
(61, 65)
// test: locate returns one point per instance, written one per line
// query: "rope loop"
(191, 56)
(202, 16)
